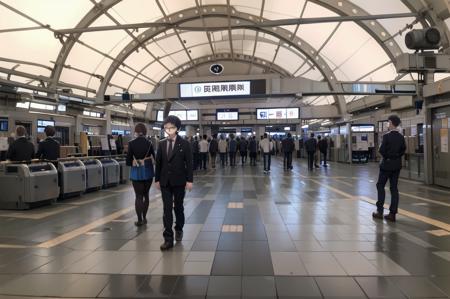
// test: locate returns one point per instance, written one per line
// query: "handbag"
(140, 171)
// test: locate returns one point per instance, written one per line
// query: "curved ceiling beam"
(373, 28)
(96, 12)
(216, 11)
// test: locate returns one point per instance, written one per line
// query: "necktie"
(169, 152)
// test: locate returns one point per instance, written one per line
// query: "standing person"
(243, 148)
(119, 144)
(203, 149)
(266, 148)
(173, 174)
(21, 149)
(310, 146)
(253, 149)
(317, 153)
(288, 147)
(323, 148)
(213, 149)
(232, 149)
(223, 145)
(48, 149)
(392, 149)
(196, 153)
(141, 154)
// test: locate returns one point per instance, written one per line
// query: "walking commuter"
(21, 149)
(223, 145)
(140, 157)
(119, 144)
(196, 153)
(323, 148)
(392, 149)
(266, 148)
(243, 148)
(213, 149)
(173, 175)
(317, 153)
(203, 149)
(253, 149)
(288, 147)
(232, 149)
(311, 146)
(48, 149)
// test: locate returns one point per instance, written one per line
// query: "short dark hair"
(50, 131)
(172, 119)
(205, 136)
(395, 120)
(319, 137)
(265, 135)
(21, 131)
(140, 129)
(289, 135)
(312, 135)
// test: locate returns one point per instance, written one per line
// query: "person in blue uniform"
(392, 149)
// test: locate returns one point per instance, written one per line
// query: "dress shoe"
(139, 223)
(179, 235)
(390, 217)
(144, 221)
(377, 215)
(166, 246)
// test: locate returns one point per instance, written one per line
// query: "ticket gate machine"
(72, 175)
(124, 170)
(24, 186)
(94, 174)
(111, 172)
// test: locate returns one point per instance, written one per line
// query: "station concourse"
(268, 126)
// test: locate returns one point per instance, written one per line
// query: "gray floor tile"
(258, 287)
(256, 259)
(224, 286)
(297, 287)
(417, 287)
(39, 285)
(287, 263)
(86, 286)
(227, 263)
(190, 286)
(120, 286)
(379, 287)
(339, 287)
(156, 287)
(205, 245)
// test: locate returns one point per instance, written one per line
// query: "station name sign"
(214, 89)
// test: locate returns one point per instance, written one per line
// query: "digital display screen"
(277, 113)
(363, 128)
(44, 123)
(4, 125)
(181, 114)
(227, 114)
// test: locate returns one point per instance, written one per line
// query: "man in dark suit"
(48, 149)
(21, 149)
(323, 148)
(173, 174)
(311, 146)
(392, 149)
(288, 147)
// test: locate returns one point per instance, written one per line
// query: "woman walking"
(140, 157)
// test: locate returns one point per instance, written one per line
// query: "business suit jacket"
(140, 148)
(392, 149)
(177, 169)
(48, 149)
(288, 145)
(20, 150)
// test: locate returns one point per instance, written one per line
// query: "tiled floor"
(247, 235)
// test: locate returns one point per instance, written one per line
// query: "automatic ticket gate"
(94, 174)
(111, 172)
(24, 186)
(72, 175)
(124, 170)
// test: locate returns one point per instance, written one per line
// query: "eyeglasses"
(170, 128)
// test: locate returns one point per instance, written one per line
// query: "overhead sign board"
(277, 113)
(214, 89)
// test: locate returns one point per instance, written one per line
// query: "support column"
(108, 129)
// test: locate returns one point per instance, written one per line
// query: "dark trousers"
(141, 189)
(243, 157)
(203, 158)
(196, 161)
(267, 161)
(311, 160)
(253, 158)
(213, 160)
(223, 158)
(287, 161)
(232, 158)
(324, 155)
(173, 198)
(383, 177)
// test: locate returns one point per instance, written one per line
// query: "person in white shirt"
(266, 147)
(223, 145)
(203, 149)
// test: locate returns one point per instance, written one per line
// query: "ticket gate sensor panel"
(111, 172)
(124, 170)
(94, 175)
(72, 176)
(26, 186)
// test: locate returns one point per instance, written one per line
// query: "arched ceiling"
(98, 62)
